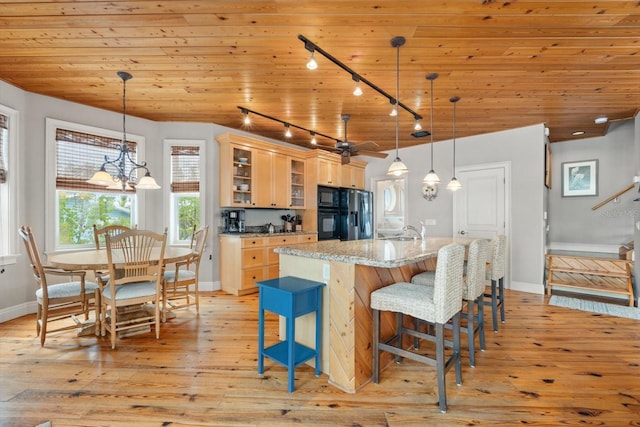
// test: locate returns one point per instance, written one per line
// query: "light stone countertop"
(385, 253)
(253, 235)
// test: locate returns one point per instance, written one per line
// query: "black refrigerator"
(356, 214)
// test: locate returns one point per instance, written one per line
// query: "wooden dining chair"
(58, 301)
(180, 285)
(134, 280)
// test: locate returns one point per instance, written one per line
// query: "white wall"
(17, 287)
(524, 149)
(574, 225)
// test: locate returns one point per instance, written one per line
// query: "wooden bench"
(606, 275)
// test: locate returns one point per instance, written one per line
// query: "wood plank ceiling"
(513, 63)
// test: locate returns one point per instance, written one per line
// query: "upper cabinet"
(258, 174)
(323, 169)
(353, 175)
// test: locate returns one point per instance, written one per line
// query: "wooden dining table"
(97, 260)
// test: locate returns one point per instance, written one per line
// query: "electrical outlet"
(326, 271)
(430, 221)
(636, 179)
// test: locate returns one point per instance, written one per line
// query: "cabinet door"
(328, 172)
(352, 176)
(280, 182)
(271, 180)
(242, 177)
(262, 170)
(297, 183)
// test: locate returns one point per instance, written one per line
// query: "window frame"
(8, 209)
(51, 208)
(169, 200)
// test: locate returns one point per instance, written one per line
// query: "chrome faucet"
(412, 228)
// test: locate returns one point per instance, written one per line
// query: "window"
(8, 183)
(184, 161)
(74, 153)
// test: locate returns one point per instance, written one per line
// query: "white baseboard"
(16, 311)
(20, 310)
(532, 288)
(583, 247)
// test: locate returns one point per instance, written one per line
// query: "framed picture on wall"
(580, 178)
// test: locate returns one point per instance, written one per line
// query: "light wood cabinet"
(272, 176)
(328, 172)
(297, 179)
(352, 176)
(247, 260)
(271, 179)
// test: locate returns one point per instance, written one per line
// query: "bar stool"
(437, 305)
(472, 292)
(290, 297)
(495, 273)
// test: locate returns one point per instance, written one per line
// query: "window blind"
(185, 169)
(4, 141)
(79, 155)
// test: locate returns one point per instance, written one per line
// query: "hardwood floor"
(546, 366)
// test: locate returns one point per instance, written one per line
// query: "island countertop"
(386, 253)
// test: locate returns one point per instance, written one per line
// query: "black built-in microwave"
(328, 197)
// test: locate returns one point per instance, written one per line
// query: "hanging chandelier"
(120, 173)
(454, 184)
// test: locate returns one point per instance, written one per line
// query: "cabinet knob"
(253, 257)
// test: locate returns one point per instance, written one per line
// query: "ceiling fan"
(346, 148)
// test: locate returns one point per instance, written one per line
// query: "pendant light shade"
(454, 184)
(431, 178)
(397, 168)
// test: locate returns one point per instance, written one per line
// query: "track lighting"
(358, 90)
(454, 184)
(397, 168)
(287, 131)
(312, 64)
(312, 47)
(313, 138)
(247, 119)
(417, 125)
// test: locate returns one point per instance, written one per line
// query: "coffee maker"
(233, 221)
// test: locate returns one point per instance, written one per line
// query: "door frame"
(507, 208)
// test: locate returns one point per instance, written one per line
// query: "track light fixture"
(289, 125)
(312, 64)
(454, 184)
(417, 125)
(287, 131)
(397, 168)
(246, 120)
(358, 90)
(312, 47)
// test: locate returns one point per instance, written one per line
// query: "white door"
(479, 207)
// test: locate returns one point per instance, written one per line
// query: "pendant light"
(122, 170)
(454, 184)
(397, 168)
(431, 178)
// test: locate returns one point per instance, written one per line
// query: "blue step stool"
(290, 297)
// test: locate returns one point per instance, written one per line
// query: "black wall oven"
(328, 224)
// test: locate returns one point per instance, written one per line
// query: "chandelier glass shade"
(119, 173)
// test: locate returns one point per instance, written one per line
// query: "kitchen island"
(352, 270)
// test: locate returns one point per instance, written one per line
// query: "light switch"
(326, 271)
